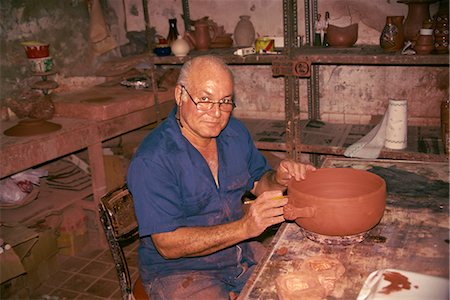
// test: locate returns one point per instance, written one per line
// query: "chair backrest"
(119, 223)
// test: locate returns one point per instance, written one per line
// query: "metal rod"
(186, 15)
(291, 83)
(148, 32)
(307, 23)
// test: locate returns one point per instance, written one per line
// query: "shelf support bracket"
(287, 67)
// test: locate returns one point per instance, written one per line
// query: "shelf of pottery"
(418, 39)
(313, 55)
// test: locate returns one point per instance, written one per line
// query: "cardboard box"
(30, 261)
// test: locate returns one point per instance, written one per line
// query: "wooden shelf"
(52, 200)
(424, 143)
(358, 55)
(225, 53)
(20, 153)
(366, 55)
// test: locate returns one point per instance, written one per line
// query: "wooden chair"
(116, 210)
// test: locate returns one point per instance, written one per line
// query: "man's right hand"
(265, 211)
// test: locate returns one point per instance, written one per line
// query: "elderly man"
(187, 179)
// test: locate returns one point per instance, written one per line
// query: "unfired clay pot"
(337, 201)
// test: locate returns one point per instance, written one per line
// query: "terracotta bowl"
(337, 201)
(342, 37)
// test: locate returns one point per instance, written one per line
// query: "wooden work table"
(78, 133)
(413, 234)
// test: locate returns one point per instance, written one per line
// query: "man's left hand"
(289, 169)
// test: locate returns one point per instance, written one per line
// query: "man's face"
(212, 85)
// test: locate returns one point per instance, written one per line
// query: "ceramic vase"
(418, 11)
(173, 31)
(392, 38)
(180, 47)
(244, 32)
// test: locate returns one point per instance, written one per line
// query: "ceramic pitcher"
(203, 35)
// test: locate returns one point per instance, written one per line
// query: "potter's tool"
(245, 51)
(274, 198)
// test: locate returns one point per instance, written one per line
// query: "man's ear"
(178, 93)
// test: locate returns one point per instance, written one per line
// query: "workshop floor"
(88, 275)
(91, 273)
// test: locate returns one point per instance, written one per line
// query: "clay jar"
(418, 11)
(337, 201)
(392, 38)
(244, 32)
(425, 42)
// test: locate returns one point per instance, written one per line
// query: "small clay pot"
(337, 201)
(424, 49)
(342, 36)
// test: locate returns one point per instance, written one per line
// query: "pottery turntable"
(337, 206)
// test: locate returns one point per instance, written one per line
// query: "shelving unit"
(303, 62)
(77, 133)
(51, 200)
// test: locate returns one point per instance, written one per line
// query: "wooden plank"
(357, 55)
(366, 55)
(20, 153)
(52, 200)
(412, 236)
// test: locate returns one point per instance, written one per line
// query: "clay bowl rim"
(352, 28)
(381, 186)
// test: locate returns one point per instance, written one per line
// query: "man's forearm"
(199, 241)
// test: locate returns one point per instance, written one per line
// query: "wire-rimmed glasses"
(225, 105)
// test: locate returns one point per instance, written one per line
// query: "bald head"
(206, 65)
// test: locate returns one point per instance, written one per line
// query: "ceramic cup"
(36, 49)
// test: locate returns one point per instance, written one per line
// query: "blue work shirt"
(172, 187)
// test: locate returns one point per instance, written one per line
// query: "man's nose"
(215, 110)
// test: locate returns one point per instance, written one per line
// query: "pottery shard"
(299, 285)
(326, 269)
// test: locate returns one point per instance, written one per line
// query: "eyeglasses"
(225, 105)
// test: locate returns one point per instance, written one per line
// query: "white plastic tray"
(422, 287)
